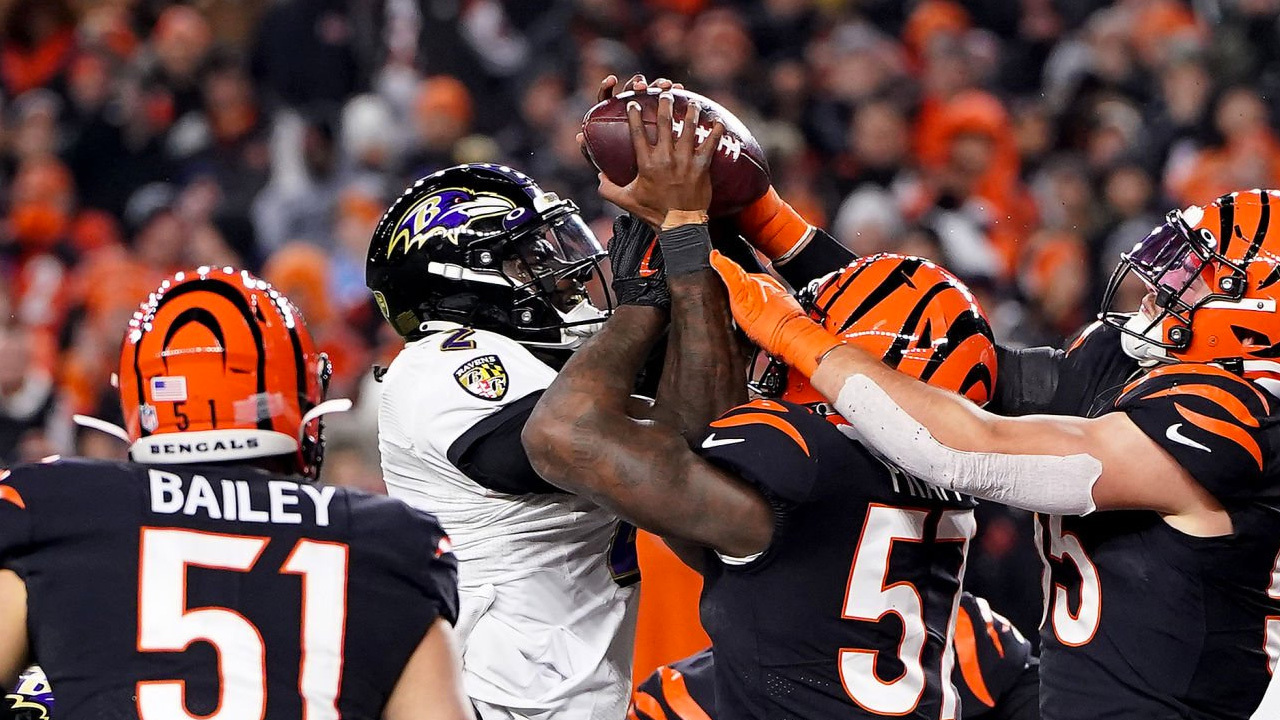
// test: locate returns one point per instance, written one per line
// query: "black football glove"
(639, 276)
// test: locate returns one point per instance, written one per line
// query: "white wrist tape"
(1054, 484)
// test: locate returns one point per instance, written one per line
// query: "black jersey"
(847, 613)
(683, 690)
(995, 673)
(1143, 621)
(176, 591)
(1091, 373)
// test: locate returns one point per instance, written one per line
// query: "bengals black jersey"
(226, 592)
(1091, 374)
(847, 613)
(1143, 621)
(995, 673)
(683, 690)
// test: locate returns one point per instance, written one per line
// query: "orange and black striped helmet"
(917, 317)
(1213, 276)
(218, 366)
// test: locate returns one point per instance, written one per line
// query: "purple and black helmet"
(484, 246)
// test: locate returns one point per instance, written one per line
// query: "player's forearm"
(704, 373)
(635, 467)
(951, 419)
(602, 373)
(580, 439)
(946, 440)
(590, 395)
(430, 686)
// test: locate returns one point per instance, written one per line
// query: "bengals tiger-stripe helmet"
(1213, 280)
(913, 315)
(218, 366)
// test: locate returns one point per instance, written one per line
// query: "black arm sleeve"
(491, 454)
(822, 255)
(1026, 380)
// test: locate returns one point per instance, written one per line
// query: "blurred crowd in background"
(1023, 143)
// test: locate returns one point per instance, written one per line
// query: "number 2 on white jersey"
(165, 624)
(869, 599)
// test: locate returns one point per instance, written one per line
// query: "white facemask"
(581, 312)
(1146, 353)
(592, 319)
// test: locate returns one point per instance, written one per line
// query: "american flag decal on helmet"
(172, 388)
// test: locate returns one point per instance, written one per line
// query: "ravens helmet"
(484, 246)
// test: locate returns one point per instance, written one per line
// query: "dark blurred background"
(1023, 143)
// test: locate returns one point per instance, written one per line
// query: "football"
(739, 171)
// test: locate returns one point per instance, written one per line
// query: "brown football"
(739, 171)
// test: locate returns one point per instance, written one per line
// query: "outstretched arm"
(798, 251)
(1041, 463)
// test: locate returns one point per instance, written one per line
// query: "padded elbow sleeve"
(1054, 484)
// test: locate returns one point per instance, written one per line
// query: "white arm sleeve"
(1054, 484)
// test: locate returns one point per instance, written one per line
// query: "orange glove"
(772, 226)
(772, 318)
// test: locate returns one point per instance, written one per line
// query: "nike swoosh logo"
(711, 441)
(645, 270)
(1173, 434)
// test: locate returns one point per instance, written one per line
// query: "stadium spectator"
(37, 42)
(179, 44)
(441, 119)
(32, 425)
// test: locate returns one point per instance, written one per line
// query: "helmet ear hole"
(1250, 337)
(1210, 242)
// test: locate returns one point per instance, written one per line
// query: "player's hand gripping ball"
(739, 170)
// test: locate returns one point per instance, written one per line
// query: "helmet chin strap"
(93, 423)
(336, 405)
(1146, 353)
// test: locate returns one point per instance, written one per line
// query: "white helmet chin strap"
(1146, 353)
(335, 405)
(94, 423)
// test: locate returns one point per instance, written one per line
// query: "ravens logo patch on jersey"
(484, 377)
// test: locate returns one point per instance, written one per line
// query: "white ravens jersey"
(546, 630)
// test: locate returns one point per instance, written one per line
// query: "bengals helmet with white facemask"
(1213, 280)
(218, 366)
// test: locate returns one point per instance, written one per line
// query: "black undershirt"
(492, 456)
